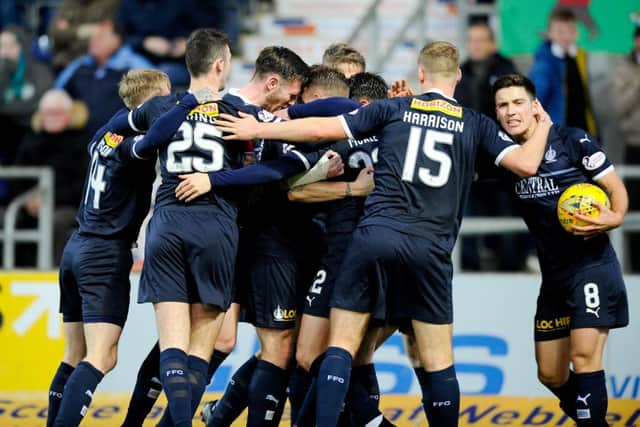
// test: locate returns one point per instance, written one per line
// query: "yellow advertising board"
(31, 335)
(108, 409)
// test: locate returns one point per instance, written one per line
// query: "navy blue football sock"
(441, 397)
(591, 399)
(146, 391)
(78, 393)
(307, 414)
(198, 374)
(266, 390)
(216, 360)
(298, 387)
(333, 382)
(174, 374)
(363, 408)
(55, 391)
(235, 398)
(567, 395)
(366, 375)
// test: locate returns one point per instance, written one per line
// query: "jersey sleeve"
(323, 108)
(260, 173)
(163, 129)
(141, 118)
(494, 141)
(367, 120)
(590, 157)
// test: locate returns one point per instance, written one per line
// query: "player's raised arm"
(313, 129)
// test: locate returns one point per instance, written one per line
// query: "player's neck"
(201, 83)
(447, 89)
(252, 92)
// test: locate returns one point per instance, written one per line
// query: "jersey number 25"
(203, 136)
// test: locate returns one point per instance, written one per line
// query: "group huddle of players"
(327, 224)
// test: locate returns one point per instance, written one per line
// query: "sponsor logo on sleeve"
(112, 139)
(265, 116)
(594, 161)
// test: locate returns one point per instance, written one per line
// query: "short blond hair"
(440, 60)
(342, 53)
(139, 85)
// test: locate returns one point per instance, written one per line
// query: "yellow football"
(577, 199)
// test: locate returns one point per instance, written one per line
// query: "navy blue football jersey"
(198, 146)
(426, 158)
(571, 156)
(117, 189)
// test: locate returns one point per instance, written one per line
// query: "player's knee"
(551, 378)
(226, 344)
(584, 360)
(278, 349)
(305, 357)
(74, 353)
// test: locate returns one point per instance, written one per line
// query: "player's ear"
(272, 82)
(421, 74)
(458, 76)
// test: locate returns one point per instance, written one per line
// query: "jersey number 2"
(203, 136)
(429, 149)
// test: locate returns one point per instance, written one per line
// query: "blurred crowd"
(60, 61)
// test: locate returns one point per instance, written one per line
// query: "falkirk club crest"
(550, 155)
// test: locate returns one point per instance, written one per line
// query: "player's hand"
(540, 114)
(364, 184)
(159, 46)
(244, 127)
(205, 94)
(606, 221)
(336, 167)
(192, 186)
(400, 88)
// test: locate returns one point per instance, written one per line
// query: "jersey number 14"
(429, 149)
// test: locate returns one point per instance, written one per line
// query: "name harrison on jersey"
(432, 121)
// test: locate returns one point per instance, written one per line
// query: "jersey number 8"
(203, 136)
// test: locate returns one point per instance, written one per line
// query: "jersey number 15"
(429, 149)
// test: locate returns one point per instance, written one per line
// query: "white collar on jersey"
(236, 92)
(439, 92)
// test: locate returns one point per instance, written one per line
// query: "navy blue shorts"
(594, 297)
(94, 280)
(189, 257)
(318, 295)
(395, 277)
(269, 291)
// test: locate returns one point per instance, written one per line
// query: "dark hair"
(281, 61)
(328, 79)
(341, 53)
(562, 14)
(510, 80)
(636, 32)
(481, 23)
(204, 46)
(368, 86)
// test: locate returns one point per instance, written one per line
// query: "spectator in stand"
(93, 78)
(57, 140)
(581, 9)
(559, 72)
(22, 83)
(158, 30)
(73, 24)
(482, 67)
(625, 95)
